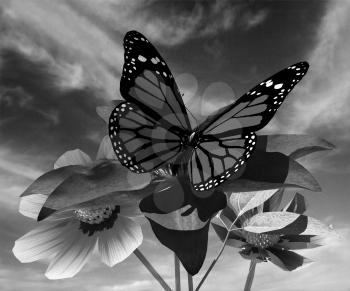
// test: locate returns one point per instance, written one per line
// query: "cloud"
(252, 19)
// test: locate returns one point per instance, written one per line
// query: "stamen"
(262, 240)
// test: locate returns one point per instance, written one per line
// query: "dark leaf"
(274, 202)
(271, 171)
(189, 246)
(293, 145)
(297, 204)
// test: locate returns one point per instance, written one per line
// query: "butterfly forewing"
(147, 81)
(138, 140)
(226, 137)
(255, 108)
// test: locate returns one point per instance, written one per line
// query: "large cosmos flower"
(69, 236)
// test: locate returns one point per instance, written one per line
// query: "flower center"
(96, 219)
(262, 240)
(94, 215)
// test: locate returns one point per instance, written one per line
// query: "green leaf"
(293, 145)
(242, 202)
(273, 203)
(105, 111)
(286, 223)
(271, 171)
(297, 204)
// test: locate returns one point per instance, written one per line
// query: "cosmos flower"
(69, 236)
(274, 246)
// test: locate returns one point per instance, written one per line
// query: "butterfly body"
(152, 128)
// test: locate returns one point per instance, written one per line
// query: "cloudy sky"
(61, 59)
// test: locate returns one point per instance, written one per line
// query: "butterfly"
(152, 127)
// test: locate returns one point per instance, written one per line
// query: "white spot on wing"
(142, 58)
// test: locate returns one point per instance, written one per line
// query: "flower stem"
(250, 277)
(150, 268)
(177, 273)
(217, 256)
(190, 282)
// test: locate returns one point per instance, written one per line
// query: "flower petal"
(287, 260)
(105, 178)
(105, 111)
(73, 157)
(105, 150)
(190, 246)
(72, 257)
(293, 145)
(31, 205)
(49, 181)
(119, 242)
(297, 204)
(297, 242)
(43, 241)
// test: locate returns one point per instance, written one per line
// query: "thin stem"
(150, 268)
(177, 273)
(190, 282)
(217, 256)
(250, 277)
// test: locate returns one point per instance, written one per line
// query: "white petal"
(72, 257)
(105, 150)
(74, 157)
(119, 242)
(31, 205)
(42, 242)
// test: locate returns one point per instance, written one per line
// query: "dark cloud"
(37, 117)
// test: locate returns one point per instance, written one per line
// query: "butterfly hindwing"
(138, 140)
(147, 82)
(230, 131)
(214, 161)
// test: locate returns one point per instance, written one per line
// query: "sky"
(61, 59)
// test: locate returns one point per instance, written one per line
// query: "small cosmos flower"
(68, 237)
(264, 247)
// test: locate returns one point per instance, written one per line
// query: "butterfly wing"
(140, 142)
(147, 82)
(226, 138)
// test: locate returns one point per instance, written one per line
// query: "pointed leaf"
(282, 172)
(105, 111)
(190, 246)
(293, 145)
(286, 223)
(249, 200)
(297, 204)
(274, 202)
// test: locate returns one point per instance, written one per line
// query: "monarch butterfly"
(152, 128)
